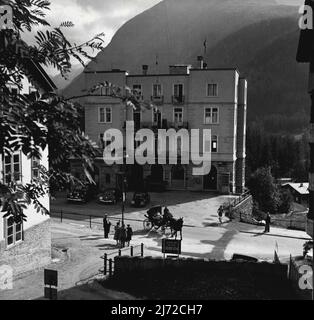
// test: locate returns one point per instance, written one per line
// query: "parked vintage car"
(110, 196)
(81, 194)
(140, 199)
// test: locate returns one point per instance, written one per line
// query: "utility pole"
(123, 196)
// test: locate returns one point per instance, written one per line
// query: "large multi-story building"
(186, 97)
(26, 246)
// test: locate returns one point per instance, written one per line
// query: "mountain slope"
(277, 83)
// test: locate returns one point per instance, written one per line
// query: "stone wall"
(31, 254)
(243, 211)
(124, 266)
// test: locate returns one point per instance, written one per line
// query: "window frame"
(211, 113)
(161, 90)
(217, 90)
(174, 115)
(14, 233)
(105, 115)
(173, 89)
(12, 171)
(33, 159)
(106, 91)
(153, 116)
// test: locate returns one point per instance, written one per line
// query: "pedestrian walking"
(106, 225)
(122, 236)
(268, 221)
(220, 213)
(117, 233)
(129, 234)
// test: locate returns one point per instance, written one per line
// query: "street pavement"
(83, 243)
(203, 236)
(197, 208)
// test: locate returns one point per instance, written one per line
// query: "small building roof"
(301, 188)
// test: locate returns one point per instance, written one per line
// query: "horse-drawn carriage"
(159, 218)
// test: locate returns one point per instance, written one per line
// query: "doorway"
(210, 180)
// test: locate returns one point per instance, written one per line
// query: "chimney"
(145, 69)
(200, 59)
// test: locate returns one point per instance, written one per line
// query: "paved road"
(197, 208)
(85, 246)
(206, 239)
(222, 242)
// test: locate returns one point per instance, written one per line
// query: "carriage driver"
(167, 215)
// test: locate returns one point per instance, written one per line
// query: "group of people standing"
(122, 235)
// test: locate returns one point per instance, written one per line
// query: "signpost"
(171, 247)
(51, 284)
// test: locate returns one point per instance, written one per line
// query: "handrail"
(240, 199)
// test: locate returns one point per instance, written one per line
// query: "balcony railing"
(158, 100)
(163, 125)
(178, 100)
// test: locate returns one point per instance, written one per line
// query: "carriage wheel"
(147, 224)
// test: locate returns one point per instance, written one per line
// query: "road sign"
(51, 283)
(51, 278)
(171, 246)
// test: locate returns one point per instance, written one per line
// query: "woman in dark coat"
(129, 234)
(117, 232)
(106, 225)
(122, 236)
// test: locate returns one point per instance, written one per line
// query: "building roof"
(301, 188)
(40, 75)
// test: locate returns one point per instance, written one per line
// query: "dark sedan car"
(110, 196)
(80, 194)
(140, 199)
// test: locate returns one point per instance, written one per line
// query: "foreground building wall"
(27, 246)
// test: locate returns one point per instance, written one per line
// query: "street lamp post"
(123, 196)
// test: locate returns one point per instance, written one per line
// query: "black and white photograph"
(157, 154)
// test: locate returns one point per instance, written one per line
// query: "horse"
(175, 226)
